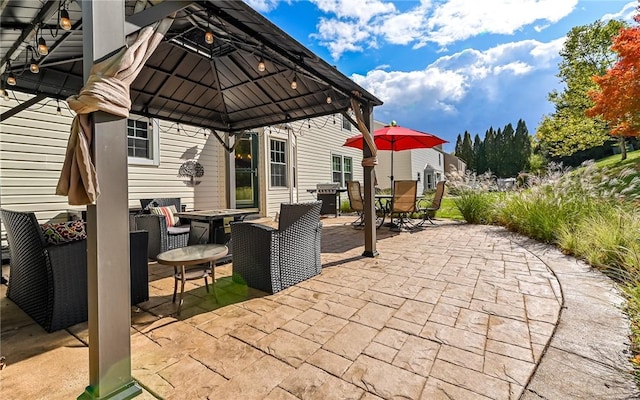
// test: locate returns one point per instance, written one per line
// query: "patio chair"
(49, 281)
(162, 237)
(403, 204)
(427, 210)
(270, 259)
(356, 202)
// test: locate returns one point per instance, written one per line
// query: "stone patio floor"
(453, 311)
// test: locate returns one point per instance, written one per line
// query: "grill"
(328, 193)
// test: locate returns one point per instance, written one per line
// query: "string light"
(329, 99)
(58, 109)
(294, 82)
(34, 67)
(65, 22)
(5, 95)
(42, 46)
(261, 66)
(11, 79)
(208, 37)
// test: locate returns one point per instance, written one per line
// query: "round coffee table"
(183, 257)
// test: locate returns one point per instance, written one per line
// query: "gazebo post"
(107, 225)
(369, 190)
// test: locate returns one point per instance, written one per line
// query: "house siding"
(314, 146)
(32, 148)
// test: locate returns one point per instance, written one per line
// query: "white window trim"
(155, 147)
(286, 163)
(343, 182)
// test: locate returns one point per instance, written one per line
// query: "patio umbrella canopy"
(396, 138)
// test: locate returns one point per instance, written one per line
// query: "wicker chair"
(161, 237)
(270, 259)
(49, 282)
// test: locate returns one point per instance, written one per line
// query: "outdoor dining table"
(212, 226)
(183, 257)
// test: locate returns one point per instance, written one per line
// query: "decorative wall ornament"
(191, 169)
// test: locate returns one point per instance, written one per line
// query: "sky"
(445, 66)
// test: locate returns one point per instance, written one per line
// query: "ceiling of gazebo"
(186, 80)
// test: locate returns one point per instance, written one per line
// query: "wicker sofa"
(49, 282)
(161, 237)
(270, 259)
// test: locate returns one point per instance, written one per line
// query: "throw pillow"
(64, 232)
(169, 214)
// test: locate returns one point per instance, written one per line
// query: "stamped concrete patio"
(454, 311)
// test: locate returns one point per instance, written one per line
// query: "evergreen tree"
(489, 150)
(498, 154)
(479, 155)
(510, 166)
(467, 151)
(458, 149)
(522, 146)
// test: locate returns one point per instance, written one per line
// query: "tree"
(479, 155)
(617, 99)
(522, 147)
(467, 151)
(586, 53)
(458, 150)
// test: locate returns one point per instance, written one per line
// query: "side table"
(183, 257)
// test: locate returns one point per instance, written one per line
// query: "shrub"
(475, 207)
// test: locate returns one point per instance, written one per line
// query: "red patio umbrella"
(395, 138)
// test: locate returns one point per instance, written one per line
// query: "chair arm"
(158, 235)
(252, 255)
(138, 262)
(67, 266)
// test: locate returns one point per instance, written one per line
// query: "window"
(295, 165)
(341, 169)
(346, 125)
(142, 141)
(278, 163)
(439, 159)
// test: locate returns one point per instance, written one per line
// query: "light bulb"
(59, 111)
(65, 22)
(11, 79)
(42, 46)
(261, 66)
(34, 67)
(294, 83)
(5, 95)
(208, 37)
(329, 100)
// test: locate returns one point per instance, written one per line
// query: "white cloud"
(444, 85)
(626, 13)
(361, 10)
(461, 19)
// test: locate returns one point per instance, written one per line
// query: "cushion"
(178, 230)
(64, 232)
(169, 214)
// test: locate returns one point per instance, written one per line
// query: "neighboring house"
(269, 166)
(452, 163)
(423, 165)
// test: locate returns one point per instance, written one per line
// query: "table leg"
(212, 266)
(182, 275)
(175, 284)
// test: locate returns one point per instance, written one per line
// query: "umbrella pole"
(391, 173)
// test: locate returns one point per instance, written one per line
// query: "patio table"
(183, 257)
(211, 226)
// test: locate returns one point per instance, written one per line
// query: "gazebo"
(216, 64)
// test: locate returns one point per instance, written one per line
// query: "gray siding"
(32, 148)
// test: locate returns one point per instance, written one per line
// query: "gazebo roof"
(186, 80)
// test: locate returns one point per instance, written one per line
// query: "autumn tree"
(617, 98)
(586, 53)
